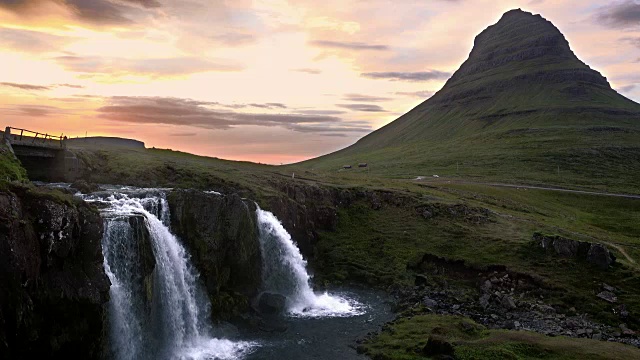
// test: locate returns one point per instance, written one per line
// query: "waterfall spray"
(164, 315)
(285, 272)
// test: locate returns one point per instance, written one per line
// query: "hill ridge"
(520, 75)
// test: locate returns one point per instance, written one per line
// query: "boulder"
(430, 303)
(437, 346)
(600, 256)
(594, 253)
(85, 187)
(271, 303)
(608, 296)
(508, 303)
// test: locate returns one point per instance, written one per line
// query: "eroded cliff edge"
(52, 282)
(221, 234)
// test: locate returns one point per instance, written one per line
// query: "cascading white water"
(165, 317)
(284, 272)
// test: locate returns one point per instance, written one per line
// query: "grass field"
(406, 338)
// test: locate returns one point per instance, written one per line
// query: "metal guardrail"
(34, 138)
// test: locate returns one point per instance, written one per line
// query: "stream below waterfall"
(158, 307)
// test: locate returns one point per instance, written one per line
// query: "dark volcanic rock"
(271, 303)
(596, 254)
(221, 234)
(52, 282)
(600, 256)
(437, 345)
(85, 187)
(530, 41)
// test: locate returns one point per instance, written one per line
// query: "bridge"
(44, 156)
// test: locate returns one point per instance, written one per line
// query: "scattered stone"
(626, 331)
(85, 187)
(484, 300)
(508, 302)
(430, 303)
(597, 336)
(608, 288)
(608, 297)
(572, 324)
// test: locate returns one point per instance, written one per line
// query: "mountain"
(522, 107)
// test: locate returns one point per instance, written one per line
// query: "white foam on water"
(285, 272)
(177, 325)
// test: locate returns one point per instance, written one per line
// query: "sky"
(269, 81)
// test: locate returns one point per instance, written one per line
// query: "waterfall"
(285, 272)
(158, 309)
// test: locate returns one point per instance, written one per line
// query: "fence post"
(7, 133)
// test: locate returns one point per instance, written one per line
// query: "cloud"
(70, 86)
(348, 45)
(308, 71)
(146, 67)
(234, 38)
(145, 3)
(626, 88)
(621, 14)
(25, 86)
(321, 112)
(408, 76)
(362, 107)
(632, 40)
(36, 110)
(187, 112)
(183, 134)
(100, 12)
(364, 98)
(420, 94)
(269, 106)
(31, 41)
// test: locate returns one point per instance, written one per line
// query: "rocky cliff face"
(52, 281)
(305, 209)
(520, 51)
(221, 234)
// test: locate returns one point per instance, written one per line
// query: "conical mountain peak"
(522, 94)
(523, 43)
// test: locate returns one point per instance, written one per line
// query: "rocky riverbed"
(504, 301)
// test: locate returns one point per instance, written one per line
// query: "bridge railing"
(28, 137)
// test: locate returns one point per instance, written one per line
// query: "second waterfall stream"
(285, 272)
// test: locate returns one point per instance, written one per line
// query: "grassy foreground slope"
(474, 342)
(522, 108)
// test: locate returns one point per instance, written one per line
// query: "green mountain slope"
(522, 107)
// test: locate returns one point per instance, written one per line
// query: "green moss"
(405, 339)
(10, 167)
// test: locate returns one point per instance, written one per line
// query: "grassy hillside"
(10, 168)
(522, 108)
(472, 341)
